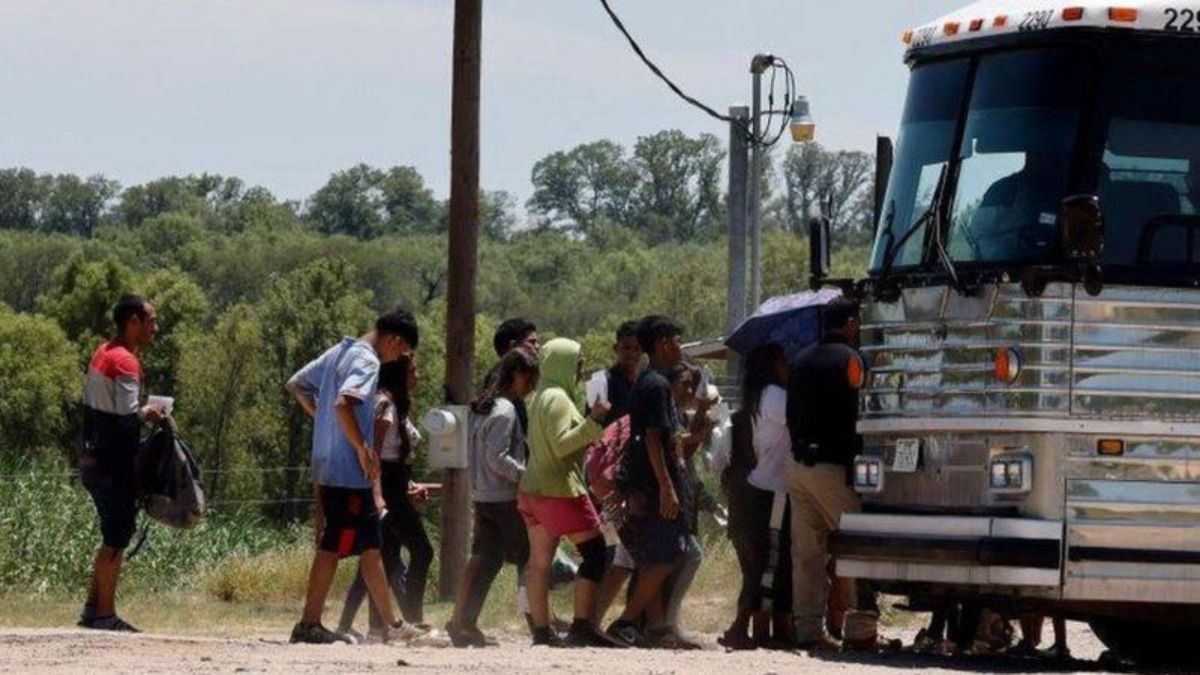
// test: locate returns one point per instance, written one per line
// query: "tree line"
(668, 188)
(250, 287)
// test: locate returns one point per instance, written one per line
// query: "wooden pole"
(460, 286)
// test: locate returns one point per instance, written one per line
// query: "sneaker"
(674, 639)
(875, 645)
(820, 644)
(469, 637)
(625, 632)
(315, 634)
(356, 638)
(584, 634)
(112, 623)
(545, 636)
(410, 635)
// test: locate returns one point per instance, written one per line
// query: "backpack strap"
(137, 548)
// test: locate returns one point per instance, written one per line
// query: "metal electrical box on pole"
(463, 269)
(739, 158)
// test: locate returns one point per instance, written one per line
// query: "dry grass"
(262, 595)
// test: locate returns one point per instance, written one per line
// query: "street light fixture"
(803, 130)
(803, 126)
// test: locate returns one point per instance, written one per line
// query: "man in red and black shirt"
(112, 424)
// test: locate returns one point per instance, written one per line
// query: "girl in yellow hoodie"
(553, 497)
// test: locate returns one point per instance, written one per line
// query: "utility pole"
(758, 65)
(739, 146)
(462, 272)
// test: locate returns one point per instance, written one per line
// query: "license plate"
(908, 455)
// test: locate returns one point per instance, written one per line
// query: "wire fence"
(295, 474)
(71, 475)
(232, 505)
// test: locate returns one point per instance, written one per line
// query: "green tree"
(39, 382)
(785, 263)
(497, 214)
(228, 405)
(409, 207)
(351, 203)
(165, 195)
(182, 311)
(258, 210)
(304, 312)
(679, 193)
(27, 265)
(576, 189)
(75, 206)
(836, 185)
(23, 196)
(689, 285)
(166, 239)
(82, 296)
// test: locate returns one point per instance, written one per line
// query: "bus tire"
(1147, 643)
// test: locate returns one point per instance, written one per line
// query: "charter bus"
(1031, 322)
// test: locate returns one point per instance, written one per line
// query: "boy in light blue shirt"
(337, 390)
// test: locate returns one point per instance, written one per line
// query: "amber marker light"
(1123, 14)
(1072, 14)
(1006, 365)
(906, 37)
(1110, 447)
(856, 373)
(951, 28)
(1000, 21)
(976, 25)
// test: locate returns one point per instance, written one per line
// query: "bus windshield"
(923, 150)
(1019, 130)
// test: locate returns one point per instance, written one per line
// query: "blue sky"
(284, 92)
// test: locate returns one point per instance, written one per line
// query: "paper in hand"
(597, 388)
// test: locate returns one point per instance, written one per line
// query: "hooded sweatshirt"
(558, 433)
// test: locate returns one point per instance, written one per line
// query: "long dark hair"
(393, 380)
(758, 374)
(517, 361)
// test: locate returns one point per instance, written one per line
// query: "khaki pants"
(819, 498)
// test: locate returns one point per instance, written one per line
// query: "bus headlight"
(1011, 474)
(868, 474)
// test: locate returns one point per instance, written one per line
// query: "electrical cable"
(767, 139)
(655, 69)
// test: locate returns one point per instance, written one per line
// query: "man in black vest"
(822, 414)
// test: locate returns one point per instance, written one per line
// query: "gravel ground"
(71, 651)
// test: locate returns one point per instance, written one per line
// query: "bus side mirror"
(1081, 237)
(884, 153)
(818, 251)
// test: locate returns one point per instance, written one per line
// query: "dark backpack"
(169, 484)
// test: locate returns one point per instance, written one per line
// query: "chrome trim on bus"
(1027, 423)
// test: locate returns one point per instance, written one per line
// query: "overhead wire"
(656, 70)
(767, 138)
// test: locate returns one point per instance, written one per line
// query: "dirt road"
(72, 651)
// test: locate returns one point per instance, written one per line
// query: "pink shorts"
(559, 516)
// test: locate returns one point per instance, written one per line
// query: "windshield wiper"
(930, 215)
(945, 258)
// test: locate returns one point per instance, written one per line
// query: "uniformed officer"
(822, 414)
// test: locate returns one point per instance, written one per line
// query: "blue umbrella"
(791, 321)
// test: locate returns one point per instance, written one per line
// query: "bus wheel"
(1147, 643)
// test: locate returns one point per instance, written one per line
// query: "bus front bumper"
(949, 550)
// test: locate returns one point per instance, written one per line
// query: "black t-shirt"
(651, 406)
(619, 391)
